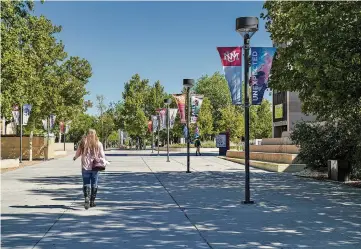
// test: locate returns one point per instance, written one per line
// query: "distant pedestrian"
(197, 144)
(90, 148)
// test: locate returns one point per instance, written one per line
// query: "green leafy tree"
(321, 56)
(15, 67)
(33, 68)
(155, 98)
(134, 100)
(261, 121)
(231, 120)
(215, 88)
(113, 139)
(80, 126)
(205, 119)
(101, 109)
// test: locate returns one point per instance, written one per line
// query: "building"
(7, 128)
(287, 112)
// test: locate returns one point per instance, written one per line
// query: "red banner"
(62, 127)
(181, 103)
(150, 125)
(230, 56)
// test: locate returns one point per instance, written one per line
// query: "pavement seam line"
(56, 221)
(180, 208)
(183, 164)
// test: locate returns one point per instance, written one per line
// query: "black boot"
(86, 191)
(93, 196)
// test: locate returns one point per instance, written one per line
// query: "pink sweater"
(88, 157)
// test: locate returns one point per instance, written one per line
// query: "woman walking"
(90, 148)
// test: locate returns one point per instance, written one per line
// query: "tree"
(205, 120)
(113, 138)
(101, 108)
(215, 88)
(321, 60)
(134, 100)
(261, 121)
(15, 68)
(155, 98)
(80, 126)
(231, 120)
(321, 56)
(33, 68)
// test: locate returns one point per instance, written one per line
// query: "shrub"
(205, 144)
(320, 142)
(178, 146)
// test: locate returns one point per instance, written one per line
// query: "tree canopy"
(35, 68)
(320, 56)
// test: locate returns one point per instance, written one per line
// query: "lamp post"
(158, 117)
(188, 83)
(167, 103)
(152, 135)
(247, 27)
(21, 134)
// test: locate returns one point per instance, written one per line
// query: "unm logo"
(231, 57)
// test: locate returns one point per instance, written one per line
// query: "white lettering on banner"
(231, 57)
(254, 62)
(254, 57)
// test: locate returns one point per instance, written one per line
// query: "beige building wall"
(10, 148)
(8, 129)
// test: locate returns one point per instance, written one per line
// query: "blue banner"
(185, 132)
(261, 63)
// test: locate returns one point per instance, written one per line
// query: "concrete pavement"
(145, 202)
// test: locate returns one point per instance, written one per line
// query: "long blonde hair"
(90, 142)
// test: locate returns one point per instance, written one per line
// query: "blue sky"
(165, 41)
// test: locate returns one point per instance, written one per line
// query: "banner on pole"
(185, 131)
(163, 118)
(196, 102)
(26, 113)
(172, 115)
(67, 127)
(231, 58)
(62, 127)
(181, 103)
(261, 63)
(16, 114)
(150, 126)
(155, 123)
(45, 124)
(52, 121)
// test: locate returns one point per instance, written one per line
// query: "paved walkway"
(145, 202)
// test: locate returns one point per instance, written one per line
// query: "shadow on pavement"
(134, 211)
(162, 154)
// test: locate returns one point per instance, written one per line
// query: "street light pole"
(246, 26)
(21, 134)
(152, 136)
(188, 83)
(158, 116)
(246, 117)
(64, 128)
(167, 103)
